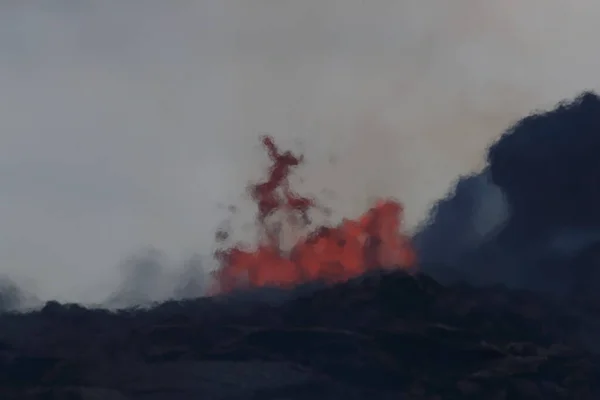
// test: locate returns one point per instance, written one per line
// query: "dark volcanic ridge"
(381, 335)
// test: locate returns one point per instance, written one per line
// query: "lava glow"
(330, 254)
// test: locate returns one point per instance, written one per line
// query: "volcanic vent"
(329, 254)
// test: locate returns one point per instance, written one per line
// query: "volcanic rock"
(381, 336)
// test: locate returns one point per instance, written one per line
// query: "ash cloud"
(474, 210)
(126, 124)
(543, 173)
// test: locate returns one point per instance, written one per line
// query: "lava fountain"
(330, 254)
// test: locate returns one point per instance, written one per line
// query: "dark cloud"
(547, 169)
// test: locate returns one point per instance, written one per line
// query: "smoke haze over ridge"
(125, 123)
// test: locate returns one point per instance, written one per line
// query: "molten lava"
(330, 254)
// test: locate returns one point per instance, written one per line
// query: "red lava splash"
(330, 254)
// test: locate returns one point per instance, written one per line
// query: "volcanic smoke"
(329, 254)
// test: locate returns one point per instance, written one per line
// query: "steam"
(134, 124)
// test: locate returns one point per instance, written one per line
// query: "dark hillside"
(382, 336)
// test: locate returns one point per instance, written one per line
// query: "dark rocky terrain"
(385, 336)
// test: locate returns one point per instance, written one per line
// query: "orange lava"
(330, 254)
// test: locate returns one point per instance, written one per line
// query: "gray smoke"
(13, 298)
(147, 279)
(126, 123)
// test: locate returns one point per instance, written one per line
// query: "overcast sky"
(124, 123)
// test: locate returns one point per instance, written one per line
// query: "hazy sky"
(124, 123)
